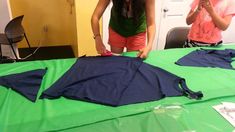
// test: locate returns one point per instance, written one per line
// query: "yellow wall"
(51, 23)
(47, 22)
(84, 10)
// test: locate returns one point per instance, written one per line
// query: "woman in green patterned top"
(130, 24)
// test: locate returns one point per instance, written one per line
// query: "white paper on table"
(227, 110)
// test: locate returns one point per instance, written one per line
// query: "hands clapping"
(206, 4)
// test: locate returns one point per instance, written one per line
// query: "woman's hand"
(98, 12)
(207, 5)
(100, 48)
(221, 22)
(199, 7)
(143, 53)
(192, 15)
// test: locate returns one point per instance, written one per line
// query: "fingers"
(102, 51)
(100, 48)
(205, 3)
(142, 54)
(200, 4)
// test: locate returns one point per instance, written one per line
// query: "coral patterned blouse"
(203, 29)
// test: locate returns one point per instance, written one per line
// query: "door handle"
(165, 10)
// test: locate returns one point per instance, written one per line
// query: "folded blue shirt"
(208, 58)
(25, 83)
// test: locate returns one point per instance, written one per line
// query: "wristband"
(96, 35)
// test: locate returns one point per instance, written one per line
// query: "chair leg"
(30, 49)
(14, 51)
(27, 40)
(1, 51)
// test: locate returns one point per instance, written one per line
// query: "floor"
(47, 53)
(43, 53)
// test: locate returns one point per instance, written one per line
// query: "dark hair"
(138, 7)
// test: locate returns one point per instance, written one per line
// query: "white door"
(228, 35)
(173, 14)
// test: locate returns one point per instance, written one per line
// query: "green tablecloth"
(18, 114)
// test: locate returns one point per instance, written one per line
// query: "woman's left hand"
(207, 5)
(143, 53)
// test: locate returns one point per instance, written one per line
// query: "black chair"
(13, 33)
(176, 37)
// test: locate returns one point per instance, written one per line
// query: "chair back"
(14, 29)
(176, 37)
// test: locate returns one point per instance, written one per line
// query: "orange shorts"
(132, 43)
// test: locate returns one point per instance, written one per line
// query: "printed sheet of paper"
(227, 110)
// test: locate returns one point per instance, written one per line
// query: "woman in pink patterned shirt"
(209, 18)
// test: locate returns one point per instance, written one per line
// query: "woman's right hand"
(200, 4)
(100, 48)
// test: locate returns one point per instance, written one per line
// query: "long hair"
(138, 6)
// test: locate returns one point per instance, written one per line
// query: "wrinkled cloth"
(25, 83)
(116, 81)
(208, 58)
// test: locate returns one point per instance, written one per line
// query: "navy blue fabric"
(116, 81)
(208, 58)
(26, 83)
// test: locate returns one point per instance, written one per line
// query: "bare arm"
(98, 12)
(192, 15)
(151, 27)
(221, 22)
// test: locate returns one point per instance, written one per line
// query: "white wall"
(105, 22)
(5, 14)
(158, 13)
(5, 17)
(228, 35)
